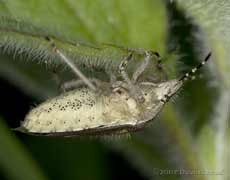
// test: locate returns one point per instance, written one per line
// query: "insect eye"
(119, 91)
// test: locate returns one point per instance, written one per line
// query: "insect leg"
(122, 71)
(55, 75)
(72, 66)
(134, 90)
(69, 85)
(112, 77)
(148, 56)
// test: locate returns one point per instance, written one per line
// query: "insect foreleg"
(148, 56)
(134, 90)
(72, 66)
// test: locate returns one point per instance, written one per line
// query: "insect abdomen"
(72, 111)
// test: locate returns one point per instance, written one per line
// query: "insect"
(96, 107)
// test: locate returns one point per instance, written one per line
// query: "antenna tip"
(208, 56)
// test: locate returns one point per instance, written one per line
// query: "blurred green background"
(192, 133)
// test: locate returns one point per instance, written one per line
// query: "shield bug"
(95, 107)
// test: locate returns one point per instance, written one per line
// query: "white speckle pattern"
(83, 109)
(67, 112)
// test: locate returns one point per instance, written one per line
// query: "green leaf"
(69, 158)
(79, 29)
(68, 23)
(191, 54)
(213, 18)
(25, 35)
(15, 162)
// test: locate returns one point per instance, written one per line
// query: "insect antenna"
(187, 76)
(190, 74)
